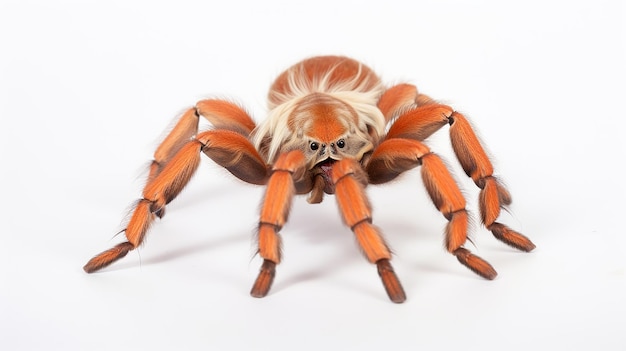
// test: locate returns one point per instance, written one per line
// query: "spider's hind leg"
(418, 116)
(176, 160)
(159, 191)
(493, 195)
(397, 155)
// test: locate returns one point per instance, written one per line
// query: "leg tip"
(107, 257)
(475, 264)
(90, 267)
(511, 237)
(264, 280)
(390, 281)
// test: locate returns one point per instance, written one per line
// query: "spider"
(332, 128)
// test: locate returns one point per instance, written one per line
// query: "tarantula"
(332, 128)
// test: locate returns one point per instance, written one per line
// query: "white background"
(87, 89)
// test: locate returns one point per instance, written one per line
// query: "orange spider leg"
(420, 123)
(226, 115)
(493, 195)
(289, 167)
(160, 190)
(222, 114)
(401, 98)
(349, 179)
(395, 156)
(177, 159)
(418, 117)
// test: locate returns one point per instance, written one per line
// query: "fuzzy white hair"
(362, 96)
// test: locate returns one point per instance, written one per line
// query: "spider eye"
(341, 143)
(314, 146)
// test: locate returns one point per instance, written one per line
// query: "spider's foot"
(511, 237)
(390, 281)
(107, 257)
(475, 263)
(264, 281)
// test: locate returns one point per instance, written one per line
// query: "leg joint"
(275, 226)
(420, 158)
(367, 220)
(481, 182)
(451, 119)
(277, 170)
(449, 215)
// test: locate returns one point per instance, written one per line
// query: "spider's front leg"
(395, 156)
(288, 168)
(349, 179)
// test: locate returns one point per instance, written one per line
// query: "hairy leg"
(395, 156)
(493, 196)
(159, 191)
(288, 168)
(348, 177)
(223, 115)
(227, 148)
(418, 116)
(401, 98)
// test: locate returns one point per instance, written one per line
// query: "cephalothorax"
(332, 128)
